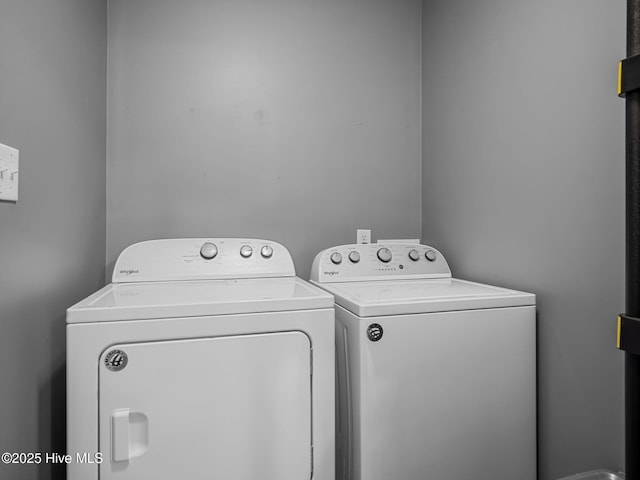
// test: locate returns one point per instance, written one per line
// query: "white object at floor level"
(205, 358)
(436, 375)
(600, 474)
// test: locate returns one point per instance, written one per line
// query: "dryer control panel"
(202, 259)
(378, 261)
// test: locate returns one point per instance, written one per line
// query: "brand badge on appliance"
(116, 360)
(129, 271)
(374, 332)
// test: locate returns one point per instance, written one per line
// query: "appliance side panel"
(343, 413)
(349, 400)
(82, 401)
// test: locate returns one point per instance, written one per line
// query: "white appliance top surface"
(398, 297)
(149, 300)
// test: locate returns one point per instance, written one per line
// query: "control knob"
(354, 257)
(384, 254)
(208, 250)
(414, 255)
(266, 251)
(336, 258)
(430, 255)
(246, 251)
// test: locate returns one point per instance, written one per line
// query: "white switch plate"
(363, 236)
(9, 173)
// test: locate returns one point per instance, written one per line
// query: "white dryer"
(436, 376)
(204, 359)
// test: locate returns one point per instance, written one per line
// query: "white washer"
(204, 359)
(436, 376)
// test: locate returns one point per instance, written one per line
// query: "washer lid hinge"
(628, 75)
(628, 338)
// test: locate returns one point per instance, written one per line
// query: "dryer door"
(233, 408)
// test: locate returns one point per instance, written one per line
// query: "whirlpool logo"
(332, 273)
(129, 271)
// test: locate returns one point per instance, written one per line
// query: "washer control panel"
(376, 261)
(202, 258)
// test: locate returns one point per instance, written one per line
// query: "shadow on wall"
(52, 407)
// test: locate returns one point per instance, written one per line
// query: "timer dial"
(384, 255)
(208, 250)
(336, 258)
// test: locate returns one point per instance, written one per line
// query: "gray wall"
(52, 108)
(523, 178)
(300, 121)
(292, 120)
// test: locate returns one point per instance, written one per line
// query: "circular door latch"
(116, 360)
(374, 332)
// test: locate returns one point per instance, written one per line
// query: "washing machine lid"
(153, 300)
(400, 297)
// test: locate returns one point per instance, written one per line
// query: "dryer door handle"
(129, 435)
(120, 435)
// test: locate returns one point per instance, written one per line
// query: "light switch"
(9, 173)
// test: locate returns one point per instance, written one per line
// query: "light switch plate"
(9, 173)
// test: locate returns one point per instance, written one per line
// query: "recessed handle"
(129, 435)
(120, 435)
